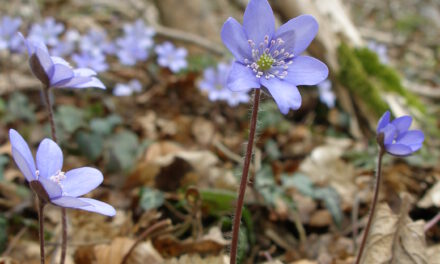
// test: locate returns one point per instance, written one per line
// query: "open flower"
(396, 138)
(171, 57)
(271, 58)
(50, 183)
(55, 72)
(134, 86)
(47, 32)
(8, 33)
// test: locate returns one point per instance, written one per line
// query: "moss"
(353, 76)
(363, 73)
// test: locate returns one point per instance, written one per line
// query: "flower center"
(269, 59)
(58, 178)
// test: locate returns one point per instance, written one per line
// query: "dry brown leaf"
(395, 239)
(434, 254)
(196, 259)
(304, 261)
(203, 130)
(115, 252)
(431, 198)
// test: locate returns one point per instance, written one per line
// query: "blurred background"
(169, 136)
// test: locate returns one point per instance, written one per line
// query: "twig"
(190, 38)
(244, 176)
(157, 226)
(231, 155)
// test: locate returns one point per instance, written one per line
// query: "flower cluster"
(214, 84)
(134, 86)
(50, 183)
(395, 137)
(171, 57)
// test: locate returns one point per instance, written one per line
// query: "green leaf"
(123, 150)
(90, 144)
(272, 150)
(216, 201)
(151, 198)
(70, 118)
(300, 182)
(19, 108)
(331, 201)
(104, 126)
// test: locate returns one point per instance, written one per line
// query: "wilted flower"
(96, 62)
(214, 83)
(127, 89)
(8, 33)
(50, 183)
(55, 72)
(171, 57)
(395, 136)
(380, 49)
(271, 58)
(326, 94)
(47, 32)
(135, 44)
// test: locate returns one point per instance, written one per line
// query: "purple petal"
(49, 158)
(383, 121)
(415, 147)
(411, 137)
(306, 70)
(298, 33)
(45, 61)
(81, 181)
(52, 188)
(98, 207)
(73, 83)
(398, 150)
(241, 78)
(285, 94)
(86, 204)
(61, 73)
(22, 155)
(258, 21)
(402, 123)
(235, 39)
(389, 134)
(69, 202)
(84, 72)
(94, 82)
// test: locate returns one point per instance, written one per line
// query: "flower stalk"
(41, 204)
(244, 176)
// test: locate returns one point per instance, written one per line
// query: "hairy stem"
(41, 230)
(63, 210)
(157, 226)
(244, 176)
(373, 205)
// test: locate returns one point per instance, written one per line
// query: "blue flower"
(127, 89)
(214, 84)
(8, 33)
(135, 44)
(395, 136)
(96, 42)
(326, 94)
(47, 32)
(50, 183)
(380, 49)
(171, 57)
(94, 61)
(55, 72)
(272, 58)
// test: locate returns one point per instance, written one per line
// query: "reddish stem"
(244, 176)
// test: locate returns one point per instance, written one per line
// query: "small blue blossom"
(326, 94)
(135, 44)
(50, 183)
(8, 33)
(272, 58)
(96, 42)
(94, 61)
(214, 84)
(48, 32)
(127, 89)
(171, 57)
(66, 46)
(380, 49)
(55, 72)
(396, 138)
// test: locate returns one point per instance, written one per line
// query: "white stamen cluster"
(269, 58)
(58, 177)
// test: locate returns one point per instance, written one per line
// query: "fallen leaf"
(395, 239)
(431, 198)
(197, 259)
